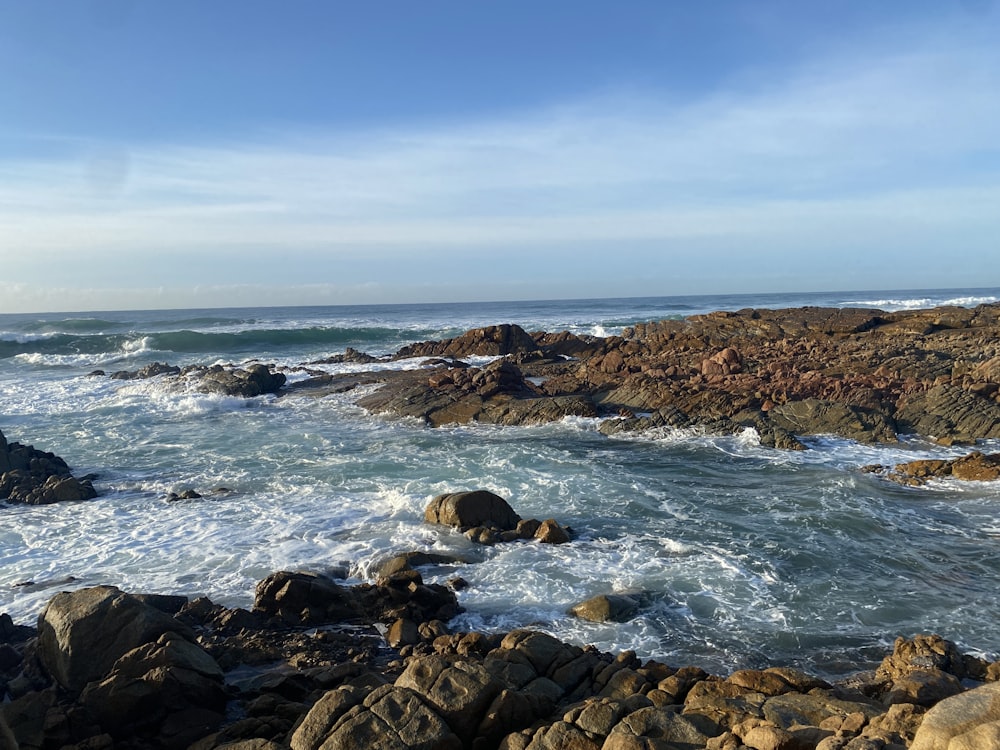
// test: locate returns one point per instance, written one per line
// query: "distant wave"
(186, 341)
(918, 303)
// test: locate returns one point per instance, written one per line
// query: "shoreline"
(861, 374)
(316, 664)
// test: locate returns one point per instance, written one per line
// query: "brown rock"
(305, 598)
(465, 510)
(957, 716)
(550, 532)
(82, 634)
(606, 608)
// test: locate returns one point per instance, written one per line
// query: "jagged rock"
(35, 477)
(951, 413)
(155, 681)
(305, 598)
(972, 467)
(255, 380)
(922, 652)
(492, 341)
(81, 634)
(149, 371)
(466, 510)
(816, 417)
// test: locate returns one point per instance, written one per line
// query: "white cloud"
(897, 146)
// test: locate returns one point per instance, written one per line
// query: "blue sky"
(240, 152)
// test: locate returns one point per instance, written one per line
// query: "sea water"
(742, 556)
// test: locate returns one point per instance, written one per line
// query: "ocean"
(745, 556)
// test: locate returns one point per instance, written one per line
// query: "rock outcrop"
(34, 477)
(117, 671)
(866, 375)
(226, 380)
(972, 467)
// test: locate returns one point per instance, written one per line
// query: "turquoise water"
(747, 556)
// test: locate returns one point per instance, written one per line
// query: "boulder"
(255, 380)
(81, 634)
(550, 532)
(606, 608)
(667, 728)
(922, 652)
(466, 510)
(961, 720)
(459, 690)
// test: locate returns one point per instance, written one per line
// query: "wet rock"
(972, 467)
(550, 532)
(255, 380)
(416, 559)
(950, 413)
(35, 477)
(465, 510)
(817, 417)
(606, 608)
(151, 370)
(301, 598)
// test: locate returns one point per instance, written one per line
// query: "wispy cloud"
(884, 143)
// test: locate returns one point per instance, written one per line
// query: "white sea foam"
(894, 304)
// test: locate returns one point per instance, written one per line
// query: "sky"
(241, 152)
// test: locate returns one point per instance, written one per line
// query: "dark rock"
(466, 510)
(948, 412)
(149, 371)
(492, 341)
(305, 598)
(816, 417)
(37, 477)
(156, 681)
(82, 634)
(255, 380)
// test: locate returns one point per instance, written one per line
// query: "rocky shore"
(308, 668)
(866, 375)
(317, 664)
